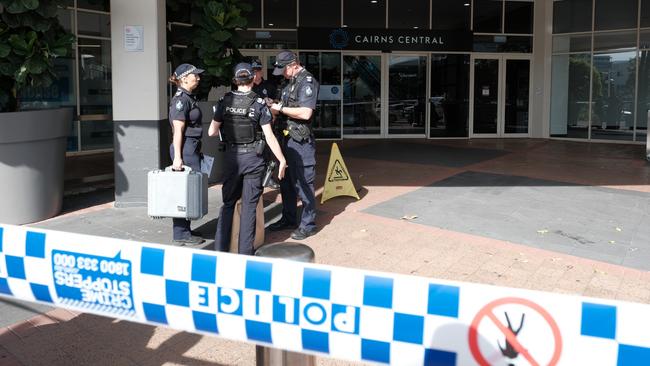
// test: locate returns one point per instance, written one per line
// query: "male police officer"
(263, 88)
(297, 105)
(238, 118)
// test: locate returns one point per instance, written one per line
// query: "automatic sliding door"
(407, 91)
(361, 95)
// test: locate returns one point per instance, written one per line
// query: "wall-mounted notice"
(134, 38)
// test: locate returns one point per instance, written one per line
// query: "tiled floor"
(373, 233)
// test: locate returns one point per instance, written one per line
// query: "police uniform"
(266, 89)
(241, 115)
(299, 148)
(184, 107)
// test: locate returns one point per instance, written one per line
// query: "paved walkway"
(538, 214)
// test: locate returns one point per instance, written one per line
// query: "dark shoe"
(300, 233)
(272, 184)
(281, 225)
(192, 240)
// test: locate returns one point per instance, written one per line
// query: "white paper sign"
(134, 38)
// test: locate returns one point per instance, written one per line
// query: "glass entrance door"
(407, 95)
(500, 96)
(362, 95)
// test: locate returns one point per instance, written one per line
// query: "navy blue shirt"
(184, 107)
(259, 111)
(266, 89)
(307, 90)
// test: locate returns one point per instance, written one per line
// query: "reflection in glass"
(328, 11)
(619, 14)
(451, 14)
(643, 105)
(254, 17)
(449, 102)
(364, 13)
(279, 14)
(519, 17)
(501, 43)
(95, 76)
(409, 14)
(94, 24)
(572, 43)
(101, 5)
(645, 13)
(361, 95)
(517, 96)
(614, 40)
(326, 67)
(612, 100)
(570, 95)
(407, 90)
(572, 16)
(486, 95)
(60, 94)
(96, 135)
(65, 18)
(487, 16)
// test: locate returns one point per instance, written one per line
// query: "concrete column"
(541, 83)
(139, 98)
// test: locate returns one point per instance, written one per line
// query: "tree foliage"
(30, 39)
(214, 44)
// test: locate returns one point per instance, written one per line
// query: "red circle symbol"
(487, 312)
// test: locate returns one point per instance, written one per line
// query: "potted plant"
(32, 143)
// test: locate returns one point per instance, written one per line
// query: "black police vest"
(237, 126)
(294, 88)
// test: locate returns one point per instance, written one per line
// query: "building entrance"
(499, 95)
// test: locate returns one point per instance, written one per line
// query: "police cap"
(256, 64)
(243, 72)
(185, 69)
(283, 59)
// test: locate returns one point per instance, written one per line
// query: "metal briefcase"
(177, 194)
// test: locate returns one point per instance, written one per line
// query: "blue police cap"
(186, 69)
(283, 59)
(243, 71)
(256, 64)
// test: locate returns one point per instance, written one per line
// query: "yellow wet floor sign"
(337, 181)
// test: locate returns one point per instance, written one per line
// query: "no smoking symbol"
(541, 344)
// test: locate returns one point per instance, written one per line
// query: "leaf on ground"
(619, 229)
(409, 217)
(612, 242)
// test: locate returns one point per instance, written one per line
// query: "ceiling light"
(373, 1)
(416, 27)
(270, 24)
(466, 4)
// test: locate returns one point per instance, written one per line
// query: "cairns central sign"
(384, 39)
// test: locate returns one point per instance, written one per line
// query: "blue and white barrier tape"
(324, 310)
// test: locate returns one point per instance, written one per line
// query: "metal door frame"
(501, 93)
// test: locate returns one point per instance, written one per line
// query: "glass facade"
(84, 78)
(599, 80)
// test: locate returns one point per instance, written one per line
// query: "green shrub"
(30, 39)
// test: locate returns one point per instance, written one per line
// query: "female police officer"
(238, 117)
(185, 120)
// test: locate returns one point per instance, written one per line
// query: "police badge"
(308, 91)
(179, 105)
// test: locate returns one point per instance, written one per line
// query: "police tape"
(329, 311)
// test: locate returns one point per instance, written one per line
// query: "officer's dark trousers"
(299, 181)
(243, 173)
(192, 158)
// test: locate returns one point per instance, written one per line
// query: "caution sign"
(515, 331)
(337, 181)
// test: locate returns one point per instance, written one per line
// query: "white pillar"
(541, 83)
(139, 96)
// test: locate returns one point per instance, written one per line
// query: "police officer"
(240, 117)
(263, 88)
(185, 149)
(266, 90)
(298, 101)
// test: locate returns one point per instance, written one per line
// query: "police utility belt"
(257, 146)
(298, 131)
